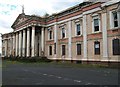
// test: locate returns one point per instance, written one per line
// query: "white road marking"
(59, 77)
(77, 81)
(44, 74)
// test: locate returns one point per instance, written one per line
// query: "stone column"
(69, 39)
(16, 44)
(55, 40)
(33, 41)
(104, 35)
(13, 45)
(42, 41)
(20, 43)
(24, 41)
(28, 42)
(84, 38)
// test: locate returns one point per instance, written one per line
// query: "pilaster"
(84, 38)
(104, 35)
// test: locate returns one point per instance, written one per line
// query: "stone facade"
(86, 32)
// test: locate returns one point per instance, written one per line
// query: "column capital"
(33, 27)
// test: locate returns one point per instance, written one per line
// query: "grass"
(56, 64)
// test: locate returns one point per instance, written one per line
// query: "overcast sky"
(10, 9)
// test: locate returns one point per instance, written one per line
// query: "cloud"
(10, 9)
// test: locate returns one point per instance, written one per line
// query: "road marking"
(44, 74)
(59, 77)
(77, 81)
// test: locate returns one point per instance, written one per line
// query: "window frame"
(62, 33)
(112, 19)
(118, 18)
(114, 48)
(50, 50)
(97, 50)
(50, 37)
(63, 54)
(93, 27)
(78, 23)
(77, 49)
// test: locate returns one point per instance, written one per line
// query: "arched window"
(116, 46)
(97, 47)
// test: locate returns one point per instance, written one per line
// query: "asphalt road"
(50, 74)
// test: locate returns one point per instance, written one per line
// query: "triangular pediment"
(21, 18)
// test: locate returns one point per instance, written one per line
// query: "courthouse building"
(89, 31)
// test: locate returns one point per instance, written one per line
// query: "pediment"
(21, 18)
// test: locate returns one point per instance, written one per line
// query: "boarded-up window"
(78, 49)
(63, 49)
(116, 47)
(97, 47)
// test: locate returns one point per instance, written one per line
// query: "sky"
(10, 9)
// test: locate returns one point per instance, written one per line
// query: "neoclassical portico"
(28, 38)
(27, 41)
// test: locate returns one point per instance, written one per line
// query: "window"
(78, 49)
(115, 19)
(116, 47)
(97, 47)
(63, 33)
(63, 50)
(50, 35)
(96, 24)
(54, 48)
(78, 29)
(50, 50)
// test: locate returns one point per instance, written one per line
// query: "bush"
(28, 59)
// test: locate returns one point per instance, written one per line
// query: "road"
(52, 74)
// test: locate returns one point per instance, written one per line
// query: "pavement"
(52, 74)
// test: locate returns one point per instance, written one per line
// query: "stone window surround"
(96, 16)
